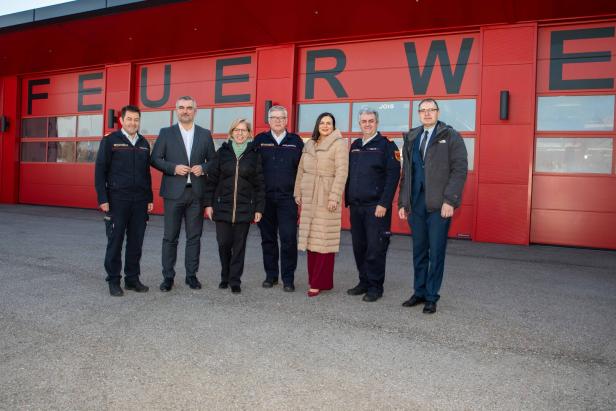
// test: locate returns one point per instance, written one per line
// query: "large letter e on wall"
(558, 59)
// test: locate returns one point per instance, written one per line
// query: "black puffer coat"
(235, 187)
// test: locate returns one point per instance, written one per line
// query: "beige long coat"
(321, 176)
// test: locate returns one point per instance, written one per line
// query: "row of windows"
(559, 113)
(583, 153)
(555, 154)
(151, 123)
(85, 151)
(573, 155)
(87, 125)
(217, 119)
(59, 151)
(575, 113)
(394, 116)
(552, 155)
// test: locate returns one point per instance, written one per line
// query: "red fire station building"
(530, 85)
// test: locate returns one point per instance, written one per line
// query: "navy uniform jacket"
(123, 170)
(374, 171)
(279, 163)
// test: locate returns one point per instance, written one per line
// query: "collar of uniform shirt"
(133, 140)
(364, 142)
(280, 137)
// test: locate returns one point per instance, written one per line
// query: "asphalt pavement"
(516, 328)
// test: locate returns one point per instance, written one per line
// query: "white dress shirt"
(188, 137)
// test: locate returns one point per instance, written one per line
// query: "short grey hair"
(177, 102)
(277, 108)
(368, 110)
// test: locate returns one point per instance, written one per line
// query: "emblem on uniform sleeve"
(397, 155)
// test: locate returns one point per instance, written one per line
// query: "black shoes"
(370, 298)
(166, 285)
(269, 282)
(358, 290)
(136, 285)
(429, 308)
(413, 301)
(236, 289)
(193, 283)
(115, 290)
(223, 285)
(289, 288)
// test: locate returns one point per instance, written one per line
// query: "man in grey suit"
(181, 152)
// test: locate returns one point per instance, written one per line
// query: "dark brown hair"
(315, 132)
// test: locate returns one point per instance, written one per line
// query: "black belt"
(188, 185)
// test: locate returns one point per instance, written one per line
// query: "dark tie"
(422, 146)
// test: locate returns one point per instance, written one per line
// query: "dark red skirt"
(321, 270)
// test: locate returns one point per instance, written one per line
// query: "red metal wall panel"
(63, 93)
(572, 228)
(502, 213)
(382, 69)
(505, 153)
(506, 146)
(575, 193)
(70, 185)
(9, 141)
(569, 66)
(518, 80)
(118, 86)
(576, 209)
(275, 82)
(164, 82)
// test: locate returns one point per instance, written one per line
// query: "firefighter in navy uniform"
(374, 171)
(124, 189)
(280, 154)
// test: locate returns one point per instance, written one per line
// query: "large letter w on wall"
(438, 49)
(329, 75)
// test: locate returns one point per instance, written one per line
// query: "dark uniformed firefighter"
(280, 153)
(374, 171)
(124, 189)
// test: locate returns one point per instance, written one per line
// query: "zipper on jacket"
(237, 168)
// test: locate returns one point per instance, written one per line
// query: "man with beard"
(180, 153)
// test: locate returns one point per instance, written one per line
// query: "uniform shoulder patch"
(397, 155)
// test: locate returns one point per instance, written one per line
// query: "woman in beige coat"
(319, 186)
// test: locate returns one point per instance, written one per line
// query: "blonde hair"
(236, 123)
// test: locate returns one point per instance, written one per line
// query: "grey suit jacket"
(169, 151)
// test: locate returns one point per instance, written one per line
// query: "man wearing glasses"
(433, 176)
(280, 154)
(180, 153)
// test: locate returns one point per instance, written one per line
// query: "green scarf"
(239, 148)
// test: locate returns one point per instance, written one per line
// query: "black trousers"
(232, 250)
(279, 219)
(189, 208)
(370, 236)
(128, 218)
